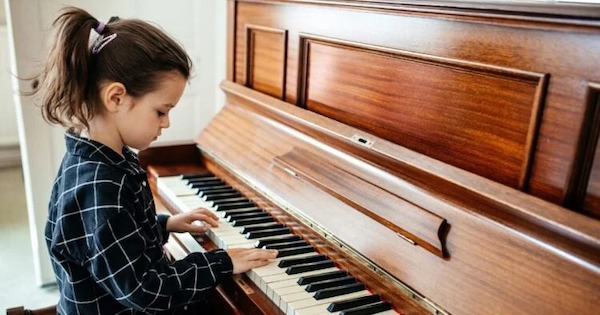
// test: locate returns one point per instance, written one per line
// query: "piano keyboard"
(301, 281)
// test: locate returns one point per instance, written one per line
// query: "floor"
(16, 266)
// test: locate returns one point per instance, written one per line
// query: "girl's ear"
(113, 95)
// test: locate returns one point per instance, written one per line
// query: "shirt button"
(144, 183)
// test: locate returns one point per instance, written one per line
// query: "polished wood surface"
(501, 96)
(445, 150)
(499, 239)
(50, 310)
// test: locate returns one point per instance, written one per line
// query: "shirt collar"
(96, 151)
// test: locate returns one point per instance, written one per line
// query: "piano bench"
(20, 310)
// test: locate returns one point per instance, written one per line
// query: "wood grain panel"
(566, 49)
(584, 188)
(413, 224)
(266, 58)
(480, 118)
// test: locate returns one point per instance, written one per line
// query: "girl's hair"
(138, 56)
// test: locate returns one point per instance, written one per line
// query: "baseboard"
(10, 156)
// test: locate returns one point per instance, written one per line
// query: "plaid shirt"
(105, 240)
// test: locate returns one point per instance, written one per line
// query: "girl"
(114, 93)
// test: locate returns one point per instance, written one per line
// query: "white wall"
(198, 25)
(8, 126)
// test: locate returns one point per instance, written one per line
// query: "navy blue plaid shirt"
(105, 240)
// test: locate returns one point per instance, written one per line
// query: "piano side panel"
(492, 268)
(534, 148)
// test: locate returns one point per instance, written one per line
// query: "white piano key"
(175, 250)
(270, 281)
(273, 268)
(306, 306)
(189, 242)
(185, 191)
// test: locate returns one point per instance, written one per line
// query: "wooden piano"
(442, 155)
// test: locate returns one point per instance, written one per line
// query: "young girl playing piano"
(114, 92)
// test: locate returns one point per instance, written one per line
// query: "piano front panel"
(470, 90)
(463, 124)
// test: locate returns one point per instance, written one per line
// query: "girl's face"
(146, 116)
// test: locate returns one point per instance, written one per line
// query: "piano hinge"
(289, 171)
(406, 239)
(434, 308)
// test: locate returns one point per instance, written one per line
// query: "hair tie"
(102, 41)
(99, 28)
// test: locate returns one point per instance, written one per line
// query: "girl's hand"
(184, 222)
(244, 259)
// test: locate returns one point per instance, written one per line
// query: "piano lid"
(439, 145)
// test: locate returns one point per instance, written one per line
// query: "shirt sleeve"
(162, 223)
(135, 271)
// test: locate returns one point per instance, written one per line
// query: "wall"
(9, 139)
(198, 25)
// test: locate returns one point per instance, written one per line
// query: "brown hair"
(137, 57)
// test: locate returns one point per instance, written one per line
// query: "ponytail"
(65, 76)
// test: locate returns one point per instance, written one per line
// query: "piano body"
(442, 153)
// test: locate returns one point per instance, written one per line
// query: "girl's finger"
(206, 212)
(210, 220)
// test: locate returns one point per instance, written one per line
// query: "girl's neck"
(102, 131)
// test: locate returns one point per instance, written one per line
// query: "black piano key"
(297, 261)
(368, 309)
(251, 221)
(229, 213)
(206, 176)
(320, 277)
(230, 200)
(259, 227)
(242, 216)
(332, 283)
(276, 240)
(309, 267)
(205, 183)
(287, 245)
(221, 196)
(352, 303)
(266, 233)
(216, 190)
(295, 251)
(344, 289)
(234, 205)
(197, 176)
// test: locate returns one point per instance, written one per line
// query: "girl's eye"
(161, 113)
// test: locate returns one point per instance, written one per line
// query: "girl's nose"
(166, 122)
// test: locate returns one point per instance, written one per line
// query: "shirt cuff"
(225, 261)
(162, 223)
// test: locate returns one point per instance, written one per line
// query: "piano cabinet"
(442, 152)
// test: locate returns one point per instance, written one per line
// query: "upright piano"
(405, 157)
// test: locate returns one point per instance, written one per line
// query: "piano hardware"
(416, 157)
